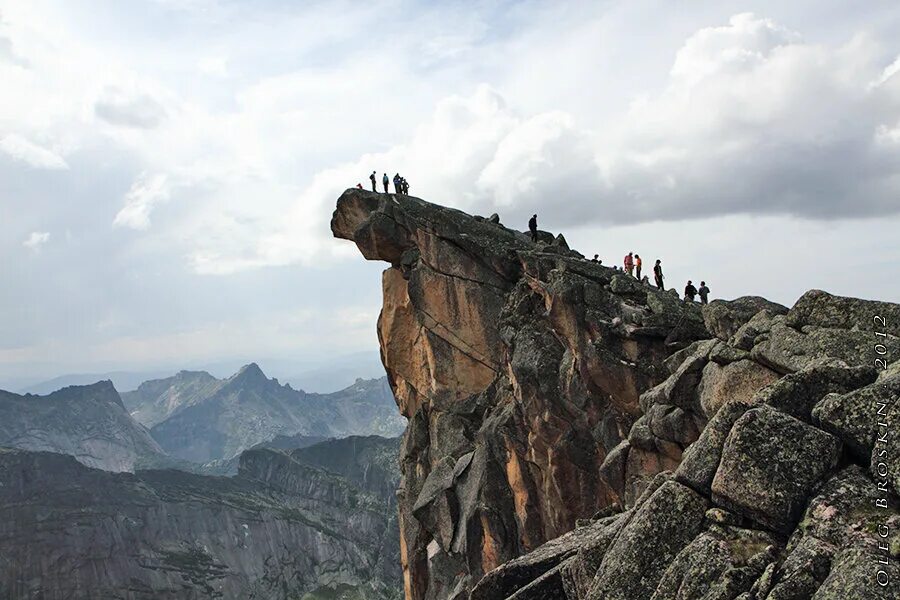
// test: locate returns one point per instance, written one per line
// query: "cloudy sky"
(168, 168)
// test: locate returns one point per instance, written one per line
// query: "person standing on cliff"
(704, 293)
(629, 263)
(373, 180)
(398, 189)
(689, 291)
(385, 181)
(532, 227)
(637, 266)
(658, 274)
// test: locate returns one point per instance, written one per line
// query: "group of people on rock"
(401, 186)
(690, 292)
(633, 265)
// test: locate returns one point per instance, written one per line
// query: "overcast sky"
(168, 169)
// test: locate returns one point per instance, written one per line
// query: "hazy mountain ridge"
(196, 417)
(88, 422)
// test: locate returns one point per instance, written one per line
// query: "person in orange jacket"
(637, 265)
(629, 263)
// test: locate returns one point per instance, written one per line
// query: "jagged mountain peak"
(250, 375)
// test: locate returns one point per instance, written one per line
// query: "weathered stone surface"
(719, 563)
(757, 327)
(737, 380)
(701, 460)
(787, 350)
(770, 462)
(822, 309)
(507, 579)
(804, 570)
(796, 394)
(853, 575)
(638, 558)
(855, 416)
(723, 318)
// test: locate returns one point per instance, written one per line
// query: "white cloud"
(26, 151)
(143, 196)
(118, 107)
(36, 239)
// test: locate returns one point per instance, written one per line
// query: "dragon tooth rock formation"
(575, 434)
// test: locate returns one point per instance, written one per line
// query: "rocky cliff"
(575, 434)
(286, 527)
(88, 422)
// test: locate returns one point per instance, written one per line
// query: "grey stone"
(723, 318)
(770, 462)
(638, 558)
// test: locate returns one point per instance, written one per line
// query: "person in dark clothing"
(385, 181)
(397, 187)
(658, 274)
(372, 179)
(704, 293)
(689, 291)
(532, 227)
(404, 186)
(359, 186)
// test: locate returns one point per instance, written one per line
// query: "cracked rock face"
(543, 391)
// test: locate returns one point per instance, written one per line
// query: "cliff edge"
(575, 434)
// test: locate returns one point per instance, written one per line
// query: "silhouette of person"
(359, 186)
(637, 265)
(689, 291)
(385, 181)
(704, 293)
(596, 258)
(397, 188)
(373, 180)
(532, 227)
(658, 274)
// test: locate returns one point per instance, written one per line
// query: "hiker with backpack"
(373, 180)
(385, 181)
(704, 293)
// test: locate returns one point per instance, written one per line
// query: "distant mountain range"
(87, 422)
(334, 374)
(192, 420)
(238, 488)
(196, 417)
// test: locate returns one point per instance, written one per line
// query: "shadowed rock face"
(312, 521)
(543, 390)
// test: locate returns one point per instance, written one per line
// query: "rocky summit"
(575, 434)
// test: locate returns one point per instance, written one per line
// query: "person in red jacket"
(629, 263)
